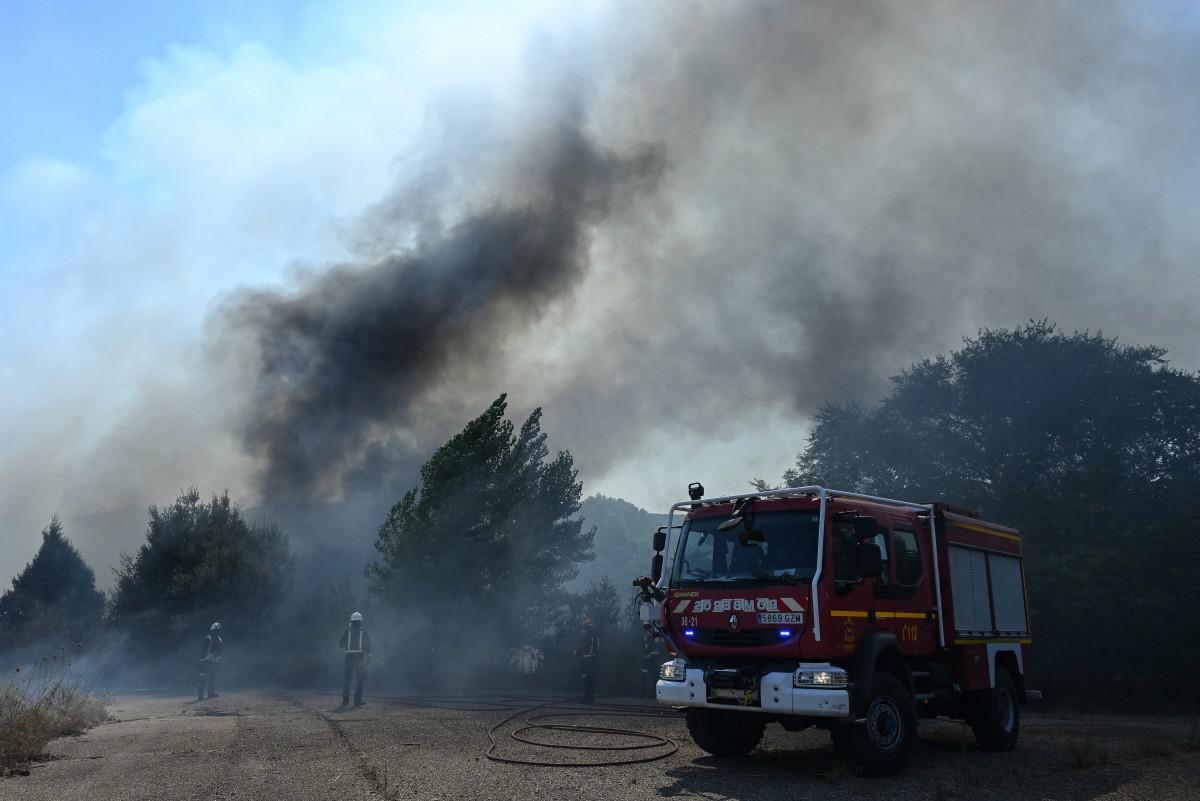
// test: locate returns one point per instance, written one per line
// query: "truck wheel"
(883, 742)
(997, 722)
(725, 734)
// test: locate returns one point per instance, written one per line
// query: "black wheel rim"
(885, 726)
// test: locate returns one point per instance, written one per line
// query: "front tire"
(725, 734)
(997, 723)
(883, 742)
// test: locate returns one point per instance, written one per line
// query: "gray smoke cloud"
(850, 186)
(343, 360)
(691, 225)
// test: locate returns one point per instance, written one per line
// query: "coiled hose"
(652, 741)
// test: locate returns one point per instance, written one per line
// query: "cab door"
(855, 607)
(912, 598)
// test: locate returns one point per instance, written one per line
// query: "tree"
(201, 562)
(1092, 449)
(479, 552)
(54, 600)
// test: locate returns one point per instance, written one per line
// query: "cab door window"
(907, 557)
(845, 568)
(881, 542)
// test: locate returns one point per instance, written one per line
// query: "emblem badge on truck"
(733, 622)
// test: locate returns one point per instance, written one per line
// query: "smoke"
(343, 359)
(851, 186)
(683, 229)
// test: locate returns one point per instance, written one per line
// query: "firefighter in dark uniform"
(210, 659)
(589, 649)
(650, 663)
(357, 644)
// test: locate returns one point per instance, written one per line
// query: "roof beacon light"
(695, 490)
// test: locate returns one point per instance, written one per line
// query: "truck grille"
(748, 638)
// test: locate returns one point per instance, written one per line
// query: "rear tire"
(997, 722)
(725, 734)
(883, 743)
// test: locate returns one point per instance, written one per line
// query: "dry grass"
(40, 704)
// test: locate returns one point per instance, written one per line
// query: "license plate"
(742, 697)
(793, 618)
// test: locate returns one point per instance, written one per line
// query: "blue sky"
(65, 66)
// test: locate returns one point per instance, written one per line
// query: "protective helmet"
(215, 627)
(356, 617)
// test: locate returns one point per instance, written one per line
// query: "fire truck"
(860, 615)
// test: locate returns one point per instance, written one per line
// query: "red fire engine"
(852, 613)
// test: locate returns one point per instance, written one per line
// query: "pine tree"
(480, 550)
(54, 600)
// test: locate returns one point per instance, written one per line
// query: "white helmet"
(215, 627)
(356, 617)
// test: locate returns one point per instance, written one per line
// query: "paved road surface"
(252, 745)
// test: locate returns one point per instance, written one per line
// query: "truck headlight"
(675, 670)
(825, 677)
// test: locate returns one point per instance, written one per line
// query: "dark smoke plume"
(344, 358)
(852, 186)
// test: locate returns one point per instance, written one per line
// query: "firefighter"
(357, 644)
(589, 649)
(650, 663)
(210, 659)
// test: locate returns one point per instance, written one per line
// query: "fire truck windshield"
(782, 549)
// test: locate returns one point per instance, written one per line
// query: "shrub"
(41, 704)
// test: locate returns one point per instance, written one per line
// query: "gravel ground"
(296, 746)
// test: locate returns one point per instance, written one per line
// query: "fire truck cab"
(857, 614)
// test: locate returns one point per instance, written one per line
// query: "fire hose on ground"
(531, 724)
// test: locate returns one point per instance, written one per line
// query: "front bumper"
(776, 696)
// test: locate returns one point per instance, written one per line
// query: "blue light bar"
(689, 632)
(785, 632)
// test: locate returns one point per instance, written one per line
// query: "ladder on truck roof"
(824, 495)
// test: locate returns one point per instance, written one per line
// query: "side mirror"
(868, 559)
(865, 528)
(656, 566)
(660, 539)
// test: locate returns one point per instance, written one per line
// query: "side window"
(844, 567)
(908, 558)
(881, 543)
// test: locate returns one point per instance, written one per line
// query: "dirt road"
(297, 746)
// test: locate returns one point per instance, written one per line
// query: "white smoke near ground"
(838, 188)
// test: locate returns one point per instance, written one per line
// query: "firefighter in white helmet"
(357, 644)
(210, 659)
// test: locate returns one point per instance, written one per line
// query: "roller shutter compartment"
(1008, 594)
(968, 583)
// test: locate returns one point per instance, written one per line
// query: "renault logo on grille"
(733, 623)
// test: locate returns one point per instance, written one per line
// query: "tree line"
(1090, 447)
(471, 563)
